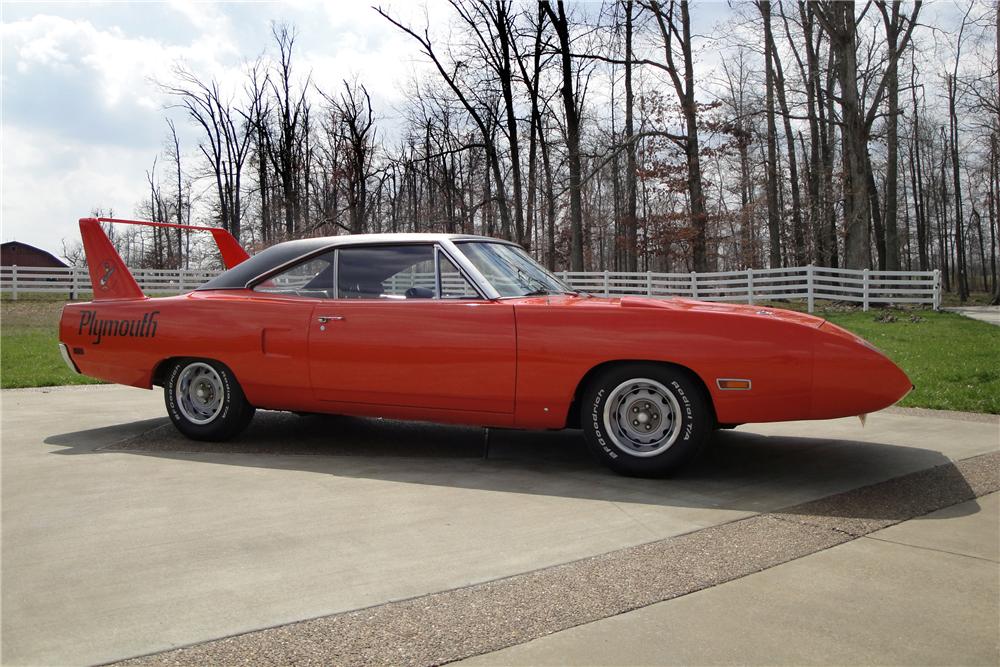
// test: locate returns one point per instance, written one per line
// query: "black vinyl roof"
(283, 253)
(264, 261)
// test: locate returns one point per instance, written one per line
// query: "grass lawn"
(29, 353)
(953, 361)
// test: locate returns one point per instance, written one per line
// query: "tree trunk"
(960, 260)
(631, 223)
(773, 214)
(839, 21)
(561, 25)
(876, 213)
(798, 231)
(506, 76)
(892, 142)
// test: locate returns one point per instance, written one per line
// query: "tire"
(673, 418)
(204, 400)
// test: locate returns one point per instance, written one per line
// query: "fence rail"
(75, 281)
(753, 285)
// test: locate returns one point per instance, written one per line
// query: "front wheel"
(204, 400)
(645, 420)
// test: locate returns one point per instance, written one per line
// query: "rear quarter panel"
(260, 339)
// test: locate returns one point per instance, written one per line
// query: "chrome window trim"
(437, 271)
(472, 274)
(336, 256)
(492, 290)
(336, 274)
(452, 252)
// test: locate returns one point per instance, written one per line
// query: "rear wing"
(110, 277)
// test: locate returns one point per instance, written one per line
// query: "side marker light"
(733, 383)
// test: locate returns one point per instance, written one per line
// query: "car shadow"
(740, 470)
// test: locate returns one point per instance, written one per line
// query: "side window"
(398, 272)
(386, 272)
(311, 278)
(454, 284)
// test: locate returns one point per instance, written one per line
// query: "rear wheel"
(645, 420)
(205, 401)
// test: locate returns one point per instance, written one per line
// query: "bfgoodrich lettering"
(99, 328)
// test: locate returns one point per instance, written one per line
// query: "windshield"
(510, 270)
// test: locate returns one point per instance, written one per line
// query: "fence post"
(607, 285)
(937, 289)
(750, 286)
(694, 285)
(73, 286)
(13, 282)
(183, 281)
(864, 290)
(810, 289)
(649, 283)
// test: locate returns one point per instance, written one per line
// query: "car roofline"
(405, 237)
(238, 278)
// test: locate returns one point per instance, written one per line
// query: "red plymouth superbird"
(466, 330)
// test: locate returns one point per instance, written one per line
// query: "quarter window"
(454, 284)
(311, 278)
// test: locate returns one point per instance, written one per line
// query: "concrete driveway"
(988, 314)
(120, 538)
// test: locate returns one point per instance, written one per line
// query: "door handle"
(323, 319)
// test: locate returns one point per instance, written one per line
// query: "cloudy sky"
(82, 118)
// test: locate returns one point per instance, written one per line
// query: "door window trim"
(439, 247)
(439, 251)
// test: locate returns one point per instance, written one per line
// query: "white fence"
(75, 281)
(753, 285)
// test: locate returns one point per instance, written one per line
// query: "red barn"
(21, 254)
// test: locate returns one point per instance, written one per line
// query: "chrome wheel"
(642, 417)
(200, 393)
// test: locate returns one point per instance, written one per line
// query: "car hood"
(675, 305)
(725, 308)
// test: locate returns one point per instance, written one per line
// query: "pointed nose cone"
(851, 377)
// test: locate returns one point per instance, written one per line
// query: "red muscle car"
(467, 330)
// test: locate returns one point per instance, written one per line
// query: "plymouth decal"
(99, 328)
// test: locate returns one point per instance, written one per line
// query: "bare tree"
(674, 22)
(560, 23)
(225, 140)
(292, 112)
(356, 120)
(174, 151)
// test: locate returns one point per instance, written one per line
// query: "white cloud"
(83, 118)
(119, 65)
(49, 183)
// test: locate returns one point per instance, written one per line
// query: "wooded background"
(614, 137)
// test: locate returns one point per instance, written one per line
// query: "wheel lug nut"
(635, 423)
(648, 427)
(635, 409)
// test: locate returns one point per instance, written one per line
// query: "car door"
(408, 329)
